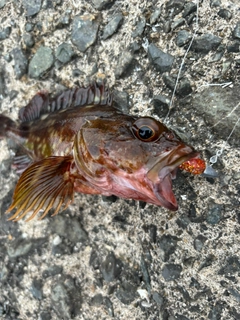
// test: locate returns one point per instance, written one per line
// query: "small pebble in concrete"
(41, 61)
(84, 31)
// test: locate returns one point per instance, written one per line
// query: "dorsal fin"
(81, 96)
(35, 107)
(97, 94)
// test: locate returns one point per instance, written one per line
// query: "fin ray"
(35, 107)
(43, 185)
(41, 103)
(21, 162)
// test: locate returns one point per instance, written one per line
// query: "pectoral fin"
(43, 185)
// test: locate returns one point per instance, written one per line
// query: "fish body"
(78, 141)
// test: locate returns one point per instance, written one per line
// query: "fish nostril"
(169, 135)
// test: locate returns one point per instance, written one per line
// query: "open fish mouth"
(161, 177)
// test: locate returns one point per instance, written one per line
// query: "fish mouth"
(161, 176)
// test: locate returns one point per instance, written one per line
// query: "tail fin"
(6, 126)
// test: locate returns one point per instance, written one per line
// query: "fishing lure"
(79, 142)
(194, 166)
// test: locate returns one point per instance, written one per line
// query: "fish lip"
(172, 167)
(161, 177)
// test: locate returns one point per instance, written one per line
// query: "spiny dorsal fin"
(95, 93)
(40, 104)
(43, 185)
(35, 107)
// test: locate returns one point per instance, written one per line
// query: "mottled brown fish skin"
(54, 135)
(78, 141)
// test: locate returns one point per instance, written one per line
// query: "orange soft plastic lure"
(194, 166)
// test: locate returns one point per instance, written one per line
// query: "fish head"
(131, 157)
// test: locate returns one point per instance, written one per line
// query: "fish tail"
(7, 126)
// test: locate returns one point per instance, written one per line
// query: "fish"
(79, 141)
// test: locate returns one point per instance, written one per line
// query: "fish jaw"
(164, 194)
(162, 174)
(153, 186)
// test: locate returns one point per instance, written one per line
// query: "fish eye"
(145, 132)
(147, 129)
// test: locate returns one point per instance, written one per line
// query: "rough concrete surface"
(107, 258)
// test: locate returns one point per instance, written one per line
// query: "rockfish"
(78, 141)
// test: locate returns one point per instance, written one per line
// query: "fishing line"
(223, 85)
(219, 152)
(182, 63)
